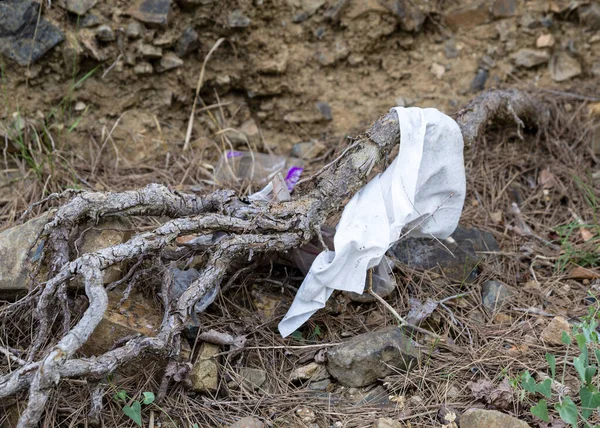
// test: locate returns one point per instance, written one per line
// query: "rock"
(320, 385)
(311, 371)
(563, 67)
(143, 68)
(450, 49)
(460, 264)
(247, 422)
(307, 150)
(165, 40)
(188, 42)
(149, 51)
(168, 62)
(478, 82)
(252, 378)
(306, 415)
(237, 19)
(411, 18)
(494, 294)
(552, 334)
(139, 315)
(467, 17)
(355, 59)
(325, 58)
(78, 7)
(105, 33)
(88, 41)
(365, 358)
(545, 41)
(504, 8)
(89, 20)
(80, 106)
(325, 110)
(18, 25)
(386, 423)
(479, 418)
(71, 52)
(273, 62)
(152, 12)
(369, 396)
(437, 70)
(589, 15)
(205, 371)
(17, 252)
(134, 30)
(529, 58)
(110, 231)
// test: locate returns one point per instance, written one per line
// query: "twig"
(188, 134)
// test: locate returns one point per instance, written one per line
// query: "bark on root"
(248, 228)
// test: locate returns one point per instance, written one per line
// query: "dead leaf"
(481, 389)
(546, 179)
(420, 311)
(586, 235)
(579, 272)
(502, 396)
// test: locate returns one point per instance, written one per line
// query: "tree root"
(245, 228)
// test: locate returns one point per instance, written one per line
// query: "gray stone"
(320, 385)
(248, 422)
(105, 33)
(410, 17)
(504, 8)
(152, 12)
(89, 20)
(387, 423)
(134, 30)
(325, 110)
(365, 358)
(529, 58)
(252, 378)
(479, 418)
(450, 49)
(478, 82)
(237, 19)
(494, 294)
(17, 252)
(18, 25)
(589, 15)
(460, 264)
(150, 52)
(143, 68)
(563, 67)
(168, 62)
(78, 7)
(188, 42)
(307, 150)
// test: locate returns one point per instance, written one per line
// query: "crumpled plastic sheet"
(421, 194)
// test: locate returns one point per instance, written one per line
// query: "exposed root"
(245, 229)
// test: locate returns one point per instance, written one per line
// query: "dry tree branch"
(246, 229)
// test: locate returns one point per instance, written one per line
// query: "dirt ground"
(310, 70)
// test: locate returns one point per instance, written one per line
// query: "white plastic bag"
(420, 194)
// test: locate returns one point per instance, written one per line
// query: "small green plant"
(586, 366)
(134, 410)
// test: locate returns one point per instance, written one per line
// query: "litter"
(420, 194)
(257, 168)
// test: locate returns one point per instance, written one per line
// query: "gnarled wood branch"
(247, 228)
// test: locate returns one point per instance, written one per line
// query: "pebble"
(248, 422)
(143, 68)
(149, 51)
(169, 61)
(325, 110)
(552, 334)
(237, 19)
(563, 67)
(152, 12)
(89, 20)
(78, 7)
(134, 30)
(545, 41)
(105, 33)
(478, 82)
(188, 42)
(450, 49)
(438, 70)
(80, 106)
(494, 294)
(529, 58)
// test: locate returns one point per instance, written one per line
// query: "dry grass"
(501, 170)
